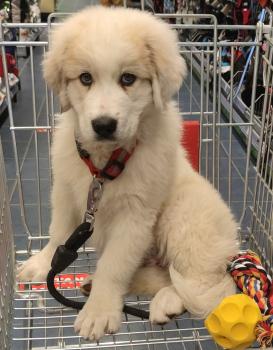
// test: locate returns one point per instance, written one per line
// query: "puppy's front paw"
(35, 268)
(93, 322)
(165, 305)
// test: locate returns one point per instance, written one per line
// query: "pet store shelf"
(23, 51)
(241, 113)
(13, 91)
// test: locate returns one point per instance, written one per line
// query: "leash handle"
(67, 253)
(78, 305)
(79, 236)
(64, 256)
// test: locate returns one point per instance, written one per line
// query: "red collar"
(113, 167)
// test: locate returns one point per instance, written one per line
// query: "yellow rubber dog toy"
(232, 323)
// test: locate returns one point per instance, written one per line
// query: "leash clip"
(90, 218)
(94, 197)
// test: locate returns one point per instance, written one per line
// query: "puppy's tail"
(198, 300)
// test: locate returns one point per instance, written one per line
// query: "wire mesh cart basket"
(6, 261)
(235, 154)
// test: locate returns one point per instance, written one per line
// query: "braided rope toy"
(252, 279)
(240, 319)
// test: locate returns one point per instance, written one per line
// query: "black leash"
(67, 253)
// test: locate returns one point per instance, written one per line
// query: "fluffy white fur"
(159, 207)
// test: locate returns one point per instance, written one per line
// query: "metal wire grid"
(38, 321)
(261, 231)
(223, 117)
(6, 261)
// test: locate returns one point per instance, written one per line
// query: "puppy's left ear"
(168, 66)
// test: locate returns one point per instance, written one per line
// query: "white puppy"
(122, 67)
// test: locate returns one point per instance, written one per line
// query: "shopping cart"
(235, 155)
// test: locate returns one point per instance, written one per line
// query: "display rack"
(3, 107)
(241, 113)
(23, 51)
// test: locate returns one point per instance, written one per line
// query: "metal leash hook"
(94, 197)
(67, 253)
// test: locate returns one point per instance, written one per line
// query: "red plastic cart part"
(191, 142)
(11, 65)
(64, 281)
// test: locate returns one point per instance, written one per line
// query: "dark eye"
(86, 79)
(127, 79)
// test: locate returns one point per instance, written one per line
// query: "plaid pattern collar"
(113, 167)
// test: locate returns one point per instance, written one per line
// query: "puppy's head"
(111, 65)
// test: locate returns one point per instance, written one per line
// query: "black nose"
(104, 126)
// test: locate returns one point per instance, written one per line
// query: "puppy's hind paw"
(165, 305)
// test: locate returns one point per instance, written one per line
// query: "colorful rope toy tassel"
(252, 279)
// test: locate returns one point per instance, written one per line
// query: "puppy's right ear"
(52, 71)
(54, 75)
